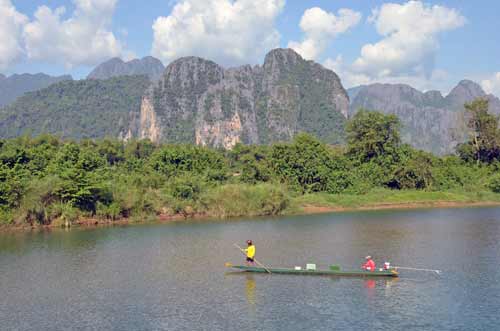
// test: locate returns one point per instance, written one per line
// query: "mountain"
(200, 102)
(16, 85)
(194, 101)
(149, 66)
(353, 91)
(465, 91)
(430, 121)
(76, 109)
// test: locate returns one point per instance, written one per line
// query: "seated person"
(369, 265)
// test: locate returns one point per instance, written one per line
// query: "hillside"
(16, 85)
(76, 109)
(430, 121)
(200, 102)
(149, 66)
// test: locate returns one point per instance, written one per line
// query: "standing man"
(250, 250)
(369, 264)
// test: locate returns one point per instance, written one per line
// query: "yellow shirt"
(250, 251)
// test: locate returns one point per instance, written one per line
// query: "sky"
(427, 44)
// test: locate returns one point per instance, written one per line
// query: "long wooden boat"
(351, 273)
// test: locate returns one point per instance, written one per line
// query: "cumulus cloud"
(410, 40)
(85, 38)
(320, 28)
(227, 31)
(345, 73)
(492, 84)
(438, 79)
(11, 25)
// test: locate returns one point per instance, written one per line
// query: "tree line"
(47, 180)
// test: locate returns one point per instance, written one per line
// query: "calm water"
(172, 276)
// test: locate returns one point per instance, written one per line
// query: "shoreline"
(315, 209)
(305, 209)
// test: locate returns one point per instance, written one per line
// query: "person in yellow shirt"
(250, 250)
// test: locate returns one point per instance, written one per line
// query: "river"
(172, 276)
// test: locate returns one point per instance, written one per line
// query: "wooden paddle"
(263, 266)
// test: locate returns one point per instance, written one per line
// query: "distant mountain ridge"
(16, 85)
(430, 121)
(115, 67)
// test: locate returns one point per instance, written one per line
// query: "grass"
(381, 197)
(236, 200)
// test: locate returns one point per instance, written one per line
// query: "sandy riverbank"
(313, 209)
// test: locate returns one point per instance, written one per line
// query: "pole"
(419, 269)
(263, 266)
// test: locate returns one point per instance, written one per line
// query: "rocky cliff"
(430, 121)
(149, 66)
(198, 101)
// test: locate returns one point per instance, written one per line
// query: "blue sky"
(430, 44)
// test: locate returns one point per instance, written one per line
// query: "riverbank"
(392, 199)
(381, 199)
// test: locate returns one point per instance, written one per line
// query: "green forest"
(46, 180)
(77, 109)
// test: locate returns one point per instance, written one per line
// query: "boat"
(318, 272)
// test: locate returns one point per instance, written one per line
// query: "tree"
(251, 163)
(484, 143)
(304, 164)
(371, 135)
(416, 173)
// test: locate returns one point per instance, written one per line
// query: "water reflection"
(250, 291)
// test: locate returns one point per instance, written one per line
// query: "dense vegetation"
(47, 180)
(76, 109)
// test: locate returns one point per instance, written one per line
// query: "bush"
(415, 174)
(494, 183)
(40, 195)
(370, 174)
(245, 200)
(186, 187)
(111, 211)
(6, 216)
(64, 212)
(304, 165)
(452, 172)
(250, 163)
(130, 201)
(175, 159)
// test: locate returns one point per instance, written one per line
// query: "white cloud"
(84, 38)
(320, 28)
(11, 25)
(227, 31)
(410, 39)
(438, 79)
(492, 84)
(347, 76)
